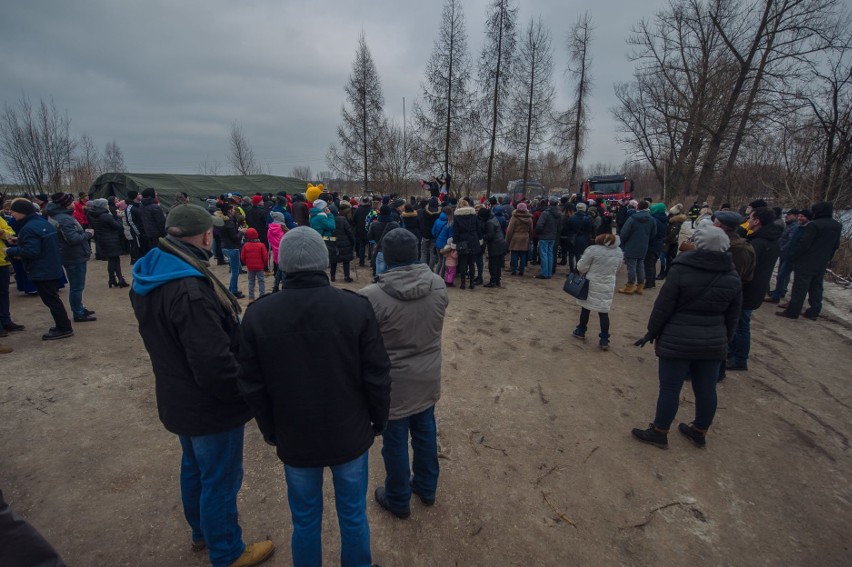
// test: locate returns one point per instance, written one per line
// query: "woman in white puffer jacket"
(599, 263)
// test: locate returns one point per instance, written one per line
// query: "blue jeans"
(5, 279)
(635, 270)
(233, 256)
(783, 279)
(740, 345)
(304, 493)
(672, 372)
(211, 474)
(76, 284)
(258, 277)
(545, 256)
(381, 267)
(424, 442)
(518, 261)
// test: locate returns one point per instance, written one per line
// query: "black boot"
(696, 435)
(653, 436)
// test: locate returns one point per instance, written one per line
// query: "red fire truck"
(607, 188)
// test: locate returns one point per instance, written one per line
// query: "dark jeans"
(135, 250)
(564, 245)
(211, 474)
(783, 280)
(810, 285)
(48, 291)
(495, 267)
(424, 443)
(217, 249)
(114, 269)
(480, 265)
(333, 269)
(651, 269)
(672, 372)
(740, 345)
(518, 261)
(604, 319)
(5, 279)
(76, 274)
(279, 277)
(21, 544)
(466, 267)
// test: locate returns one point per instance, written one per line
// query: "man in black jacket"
(153, 218)
(190, 326)
(257, 217)
(810, 258)
(133, 213)
(763, 237)
(324, 407)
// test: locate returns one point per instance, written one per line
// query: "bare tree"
(532, 97)
(573, 124)
(302, 172)
(363, 119)
(446, 101)
(495, 75)
(393, 158)
(242, 158)
(86, 165)
(209, 166)
(36, 144)
(113, 159)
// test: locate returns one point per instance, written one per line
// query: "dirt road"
(538, 466)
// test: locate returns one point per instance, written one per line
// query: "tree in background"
(495, 75)
(446, 105)
(363, 120)
(532, 96)
(302, 172)
(209, 166)
(242, 158)
(36, 144)
(113, 159)
(86, 165)
(393, 158)
(573, 123)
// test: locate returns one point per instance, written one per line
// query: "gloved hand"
(646, 339)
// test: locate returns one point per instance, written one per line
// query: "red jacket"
(254, 256)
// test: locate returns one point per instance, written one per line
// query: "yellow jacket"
(5, 232)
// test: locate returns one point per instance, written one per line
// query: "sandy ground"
(538, 466)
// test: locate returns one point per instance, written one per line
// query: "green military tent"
(198, 187)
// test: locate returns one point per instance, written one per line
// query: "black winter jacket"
(427, 221)
(466, 228)
(819, 241)
(323, 404)
(359, 219)
(549, 224)
(582, 229)
(696, 312)
(344, 240)
(766, 252)
(494, 239)
(229, 236)
(134, 218)
(153, 219)
(109, 232)
(411, 223)
(74, 245)
(193, 342)
(256, 217)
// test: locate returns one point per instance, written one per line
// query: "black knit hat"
(23, 206)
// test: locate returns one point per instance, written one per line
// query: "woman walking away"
(599, 263)
(518, 235)
(495, 243)
(466, 236)
(693, 320)
(108, 236)
(344, 244)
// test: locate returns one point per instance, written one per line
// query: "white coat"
(600, 263)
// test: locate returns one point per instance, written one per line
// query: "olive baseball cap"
(190, 220)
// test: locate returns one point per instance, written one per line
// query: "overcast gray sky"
(166, 78)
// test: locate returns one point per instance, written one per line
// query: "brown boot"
(639, 288)
(5, 349)
(255, 554)
(628, 289)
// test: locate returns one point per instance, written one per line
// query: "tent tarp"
(198, 187)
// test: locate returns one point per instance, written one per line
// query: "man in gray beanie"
(326, 405)
(409, 301)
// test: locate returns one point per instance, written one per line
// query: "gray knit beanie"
(711, 238)
(302, 250)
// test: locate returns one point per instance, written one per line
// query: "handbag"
(576, 286)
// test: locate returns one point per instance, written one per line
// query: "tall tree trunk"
(529, 127)
(449, 95)
(580, 96)
(494, 108)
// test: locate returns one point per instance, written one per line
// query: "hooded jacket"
(254, 255)
(819, 241)
(439, 225)
(326, 404)
(323, 223)
(495, 242)
(153, 218)
(600, 263)
(549, 224)
(410, 302)
(410, 221)
(637, 233)
(764, 241)
(658, 213)
(344, 240)
(38, 246)
(256, 218)
(109, 232)
(466, 229)
(74, 245)
(520, 231)
(192, 342)
(274, 233)
(696, 312)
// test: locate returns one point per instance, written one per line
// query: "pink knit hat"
(522, 207)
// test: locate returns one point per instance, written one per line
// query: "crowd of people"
(216, 367)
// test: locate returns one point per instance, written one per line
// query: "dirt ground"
(538, 465)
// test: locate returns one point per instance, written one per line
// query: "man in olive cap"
(189, 323)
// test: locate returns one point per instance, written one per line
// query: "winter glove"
(646, 339)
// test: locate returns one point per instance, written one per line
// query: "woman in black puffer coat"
(693, 320)
(109, 233)
(467, 234)
(342, 248)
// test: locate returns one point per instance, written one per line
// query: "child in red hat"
(255, 257)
